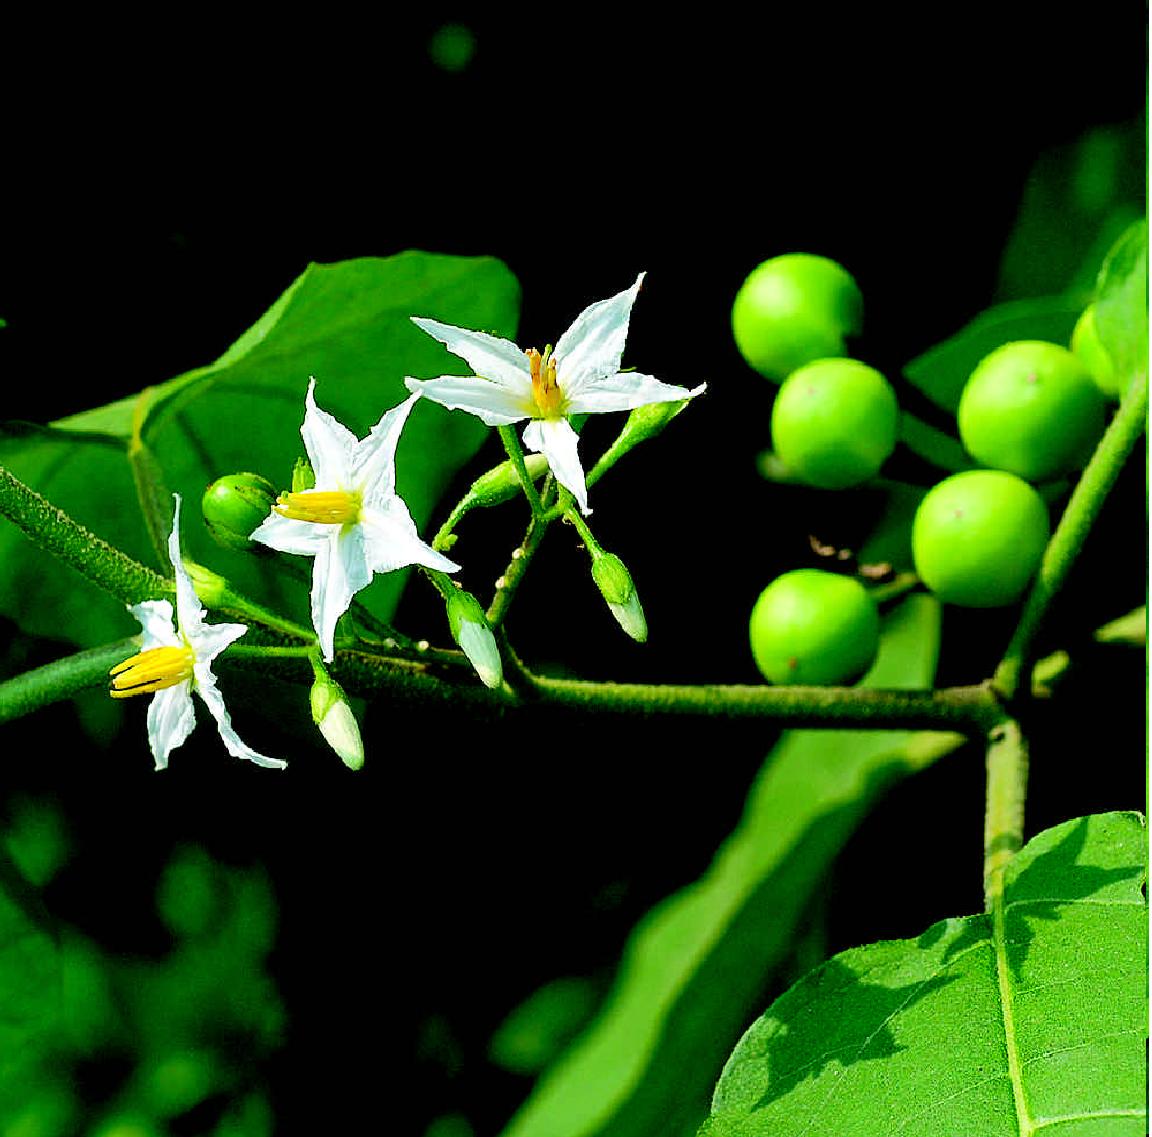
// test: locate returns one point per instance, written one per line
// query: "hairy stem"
(1004, 805)
(53, 530)
(61, 679)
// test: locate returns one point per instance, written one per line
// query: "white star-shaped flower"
(581, 376)
(175, 660)
(352, 521)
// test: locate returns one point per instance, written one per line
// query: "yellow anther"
(545, 390)
(322, 507)
(152, 670)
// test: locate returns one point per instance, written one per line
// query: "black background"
(164, 182)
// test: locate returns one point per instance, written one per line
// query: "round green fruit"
(978, 537)
(1086, 346)
(234, 505)
(792, 309)
(1031, 408)
(834, 422)
(812, 627)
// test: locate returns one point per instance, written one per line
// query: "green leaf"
(979, 1026)
(348, 325)
(1122, 303)
(942, 371)
(695, 966)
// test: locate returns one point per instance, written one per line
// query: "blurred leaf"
(695, 966)
(1122, 303)
(534, 1033)
(348, 325)
(942, 370)
(1078, 198)
(974, 1027)
(30, 985)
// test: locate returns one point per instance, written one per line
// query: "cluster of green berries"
(1030, 412)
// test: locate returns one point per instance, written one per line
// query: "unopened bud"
(210, 587)
(332, 713)
(470, 630)
(303, 476)
(615, 583)
(502, 483)
(234, 505)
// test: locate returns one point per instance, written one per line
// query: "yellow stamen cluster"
(152, 670)
(322, 507)
(545, 390)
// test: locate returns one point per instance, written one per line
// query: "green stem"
(1007, 786)
(62, 679)
(53, 530)
(952, 708)
(1081, 512)
(516, 454)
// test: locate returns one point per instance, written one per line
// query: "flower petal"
(625, 391)
(557, 441)
(594, 345)
(328, 443)
(155, 618)
(391, 540)
(491, 403)
(214, 701)
(210, 640)
(374, 460)
(189, 611)
(171, 718)
(287, 535)
(498, 360)
(341, 569)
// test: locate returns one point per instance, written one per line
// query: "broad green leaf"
(694, 967)
(348, 325)
(1122, 302)
(980, 1028)
(942, 371)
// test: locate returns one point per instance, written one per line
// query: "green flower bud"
(470, 630)
(615, 584)
(234, 505)
(332, 713)
(210, 586)
(501, 483)
(303, 476)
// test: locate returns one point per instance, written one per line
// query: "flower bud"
(615, 583)
(234, 505)
(303, 476)
(212, 589)
(332, 713)
(501, 483)
(470, 630)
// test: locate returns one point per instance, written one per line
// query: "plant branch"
(1081, 512)
(53, 530)
(61, 679)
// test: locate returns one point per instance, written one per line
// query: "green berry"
(234, 505)
(978, 537)
(1031, 408)
(793, 309)
(814, 628)
(1086, 346)
(834, 422)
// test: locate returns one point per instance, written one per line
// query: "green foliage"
(976, 1026)
(1122, 304)
(194, 1024)
(348, 325)
(696, 964)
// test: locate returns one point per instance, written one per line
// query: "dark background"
(164, 183)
